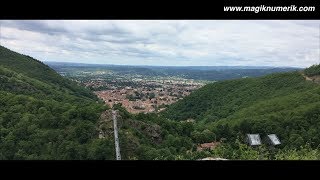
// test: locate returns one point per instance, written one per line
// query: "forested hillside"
(45, 116)
(281, 103)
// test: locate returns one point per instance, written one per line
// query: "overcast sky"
(166, 42)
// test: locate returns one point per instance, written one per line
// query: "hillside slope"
(43, 115)
(29, 67)
(281, 103)
(312, 70)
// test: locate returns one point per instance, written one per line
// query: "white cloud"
(178, 42)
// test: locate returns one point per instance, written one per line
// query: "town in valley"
(135, 92)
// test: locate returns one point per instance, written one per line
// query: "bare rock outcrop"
(151, 130)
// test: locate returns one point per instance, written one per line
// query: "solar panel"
(254, 139)
(274, 139)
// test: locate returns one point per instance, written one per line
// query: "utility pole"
(116, 139)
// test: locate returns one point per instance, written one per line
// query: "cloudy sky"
(166, 42)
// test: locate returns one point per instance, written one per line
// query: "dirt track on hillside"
(315, 79)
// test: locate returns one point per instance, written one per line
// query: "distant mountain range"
(213, 73)
(52, 63)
